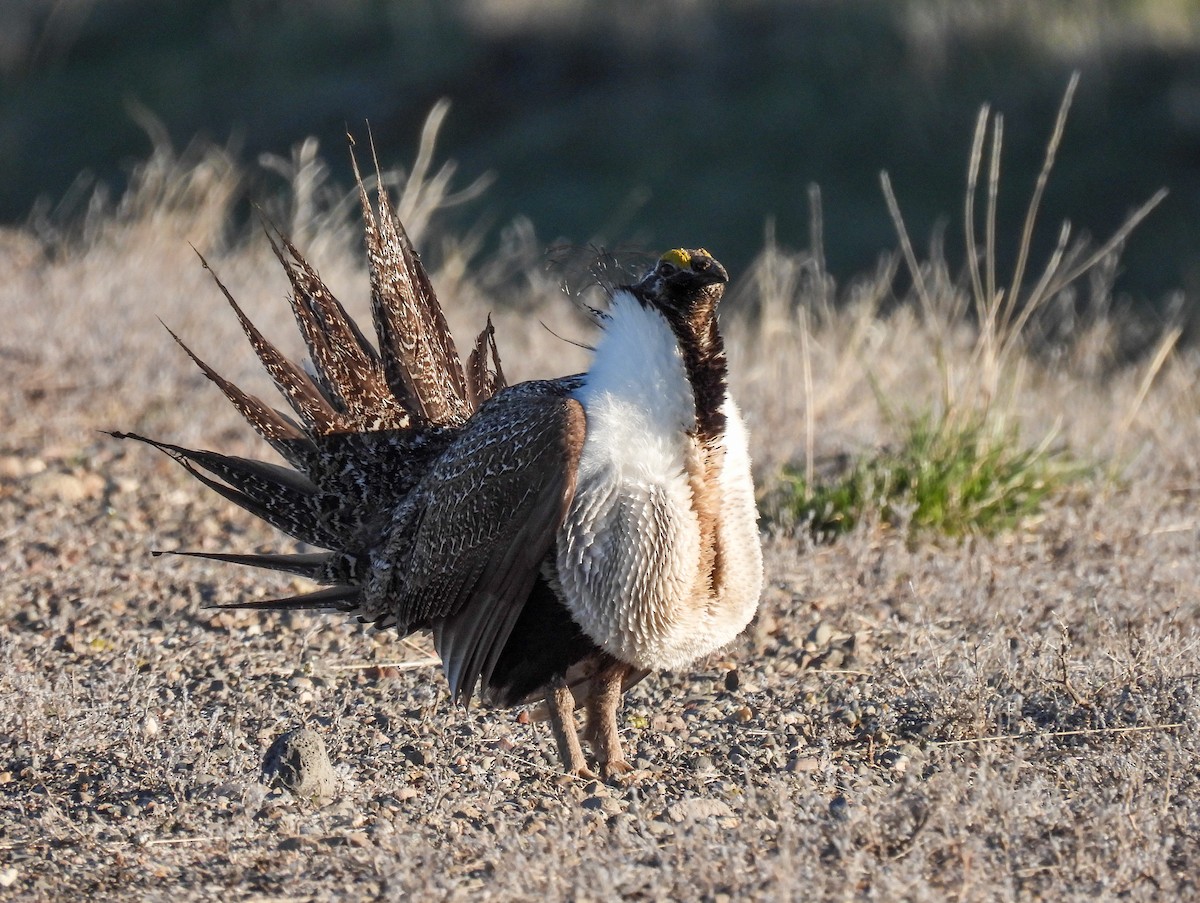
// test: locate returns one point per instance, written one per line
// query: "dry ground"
(989, 719)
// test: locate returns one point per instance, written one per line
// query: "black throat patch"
(694, 321)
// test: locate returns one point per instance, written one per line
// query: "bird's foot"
(571, 775)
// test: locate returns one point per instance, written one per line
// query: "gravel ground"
(991, 719)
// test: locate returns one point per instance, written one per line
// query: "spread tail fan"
(365, 419)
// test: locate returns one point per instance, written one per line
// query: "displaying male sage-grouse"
(561, 538)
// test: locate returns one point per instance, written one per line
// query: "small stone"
(229, 790)
(732, 680)
(253, 796)
(839, 808)
(63, 487)
(8, 877)
(382, 829)
(14, 467)
(804, 764)
(833, 659)
(820, 636)
(299, 762)
(703, 764)
(698, 808)
(660, 829)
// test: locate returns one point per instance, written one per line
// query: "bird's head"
(685, 284)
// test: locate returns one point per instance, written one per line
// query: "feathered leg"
(561, 705)
(601, 728)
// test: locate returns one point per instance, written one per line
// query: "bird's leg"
(601, 728)
(561, 705)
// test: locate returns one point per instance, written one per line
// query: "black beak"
(705, 270)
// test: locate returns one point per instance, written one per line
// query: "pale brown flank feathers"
(705, 362)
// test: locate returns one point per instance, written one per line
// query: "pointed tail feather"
(419, 357)
(284, 498)
(313, 408)
(484, 381)
(333, 598)
(312, 565)
(282, 433)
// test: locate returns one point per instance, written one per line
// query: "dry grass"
(1001, 718)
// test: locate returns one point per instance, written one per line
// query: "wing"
(490, 510)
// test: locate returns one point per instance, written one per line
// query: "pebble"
(660, 829)
(299, 762)
(839, 808)
(230, 790)
(605, 804)
(14, 467)
(150, 727)
(65, 487)
(819, 636)
(698, 808)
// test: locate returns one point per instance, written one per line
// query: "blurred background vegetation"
(640, 121)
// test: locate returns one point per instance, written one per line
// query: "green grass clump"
(944, 476)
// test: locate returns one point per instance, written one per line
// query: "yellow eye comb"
(677, 257)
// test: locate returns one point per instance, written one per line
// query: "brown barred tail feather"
(420, 360)
(403, 392)
(311, 405)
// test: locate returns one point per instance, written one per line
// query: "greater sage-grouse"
(561, 538)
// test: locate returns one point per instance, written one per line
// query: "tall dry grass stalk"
(987, 381)
(321, 216)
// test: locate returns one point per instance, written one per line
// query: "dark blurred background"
(637, 121)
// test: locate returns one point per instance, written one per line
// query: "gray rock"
(698, 808)
(299, 762)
